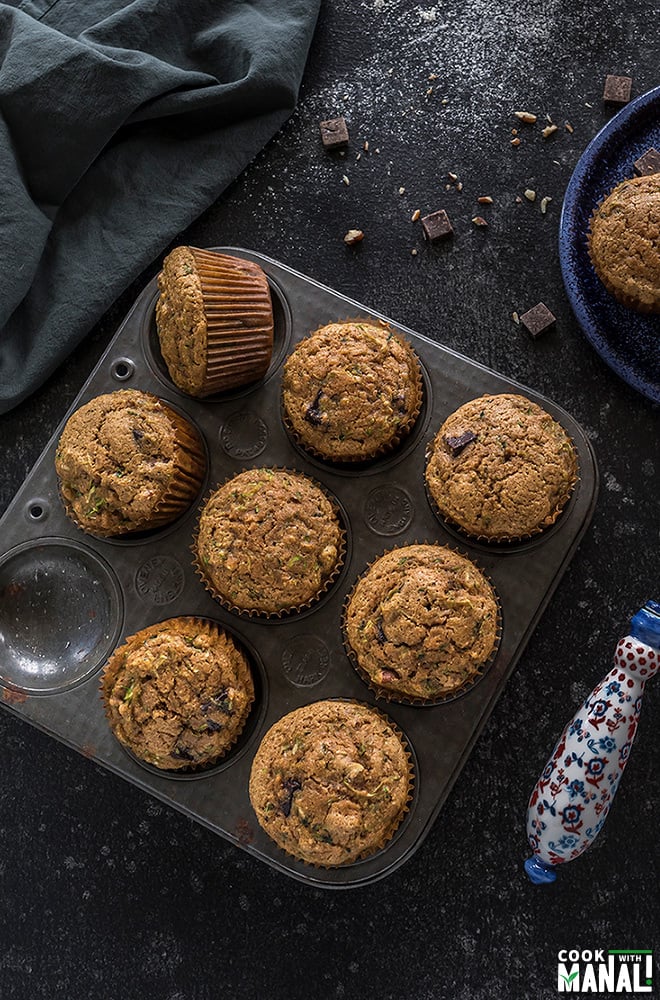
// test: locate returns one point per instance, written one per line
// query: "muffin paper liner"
(404, 699)
(502, 540)
(239, 320)
(402, 431)
(133, 642)
(188, 474)
(411, 776)
(283, 612)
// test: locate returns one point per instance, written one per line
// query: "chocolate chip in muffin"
(456, 444)
(290, 786)
(313, 412)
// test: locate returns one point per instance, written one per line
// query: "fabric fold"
(120, 123)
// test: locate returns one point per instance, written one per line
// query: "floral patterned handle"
(573, 796)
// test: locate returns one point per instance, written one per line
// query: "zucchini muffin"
(269, 541)
(127, 462)
(330, 782)
(624, 243)
(501, 468)
(214, 318)
(178, 694)
(351, 391)
(421, 623)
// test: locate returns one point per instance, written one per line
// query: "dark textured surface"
(106, 893)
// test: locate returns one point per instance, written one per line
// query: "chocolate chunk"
(456, 444)
(648, 163)
(388, 674)
(437, 226)
(183, 753)
(213, 726)
(617, 89)
(313, 413)
(137, 434)
(334, 133)
(538, 319)
(290, 786)
(380, 635)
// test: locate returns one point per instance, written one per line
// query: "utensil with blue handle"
(572, 798)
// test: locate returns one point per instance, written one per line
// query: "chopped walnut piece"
(530, 194)
(515, 142)
(569, 127)
(525, 116)
(548, 130)
(544, 204)
(485, 199)
(478, 220)
(353, 236)
(415, 216)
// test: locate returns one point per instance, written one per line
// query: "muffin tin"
(67, 599)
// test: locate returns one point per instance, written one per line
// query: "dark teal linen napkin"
(120, 122)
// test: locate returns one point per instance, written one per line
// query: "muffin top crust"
(624, 242)
(269, 540)
(116, 459)
(351, 390)
(501, 467)
(330, 782)
(178, 693)
(421, 622)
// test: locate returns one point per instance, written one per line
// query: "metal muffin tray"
(67, 599)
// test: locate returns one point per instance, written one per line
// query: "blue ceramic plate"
(628, 341)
